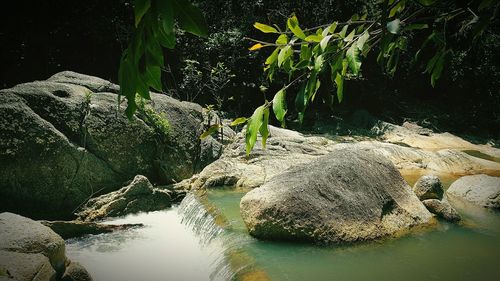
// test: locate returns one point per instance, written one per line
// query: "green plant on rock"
(336, 50)
(142, 62)
(157, 120)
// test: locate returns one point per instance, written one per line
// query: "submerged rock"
(428, 187)
(64, 139)
(442, 209)
(481, 190)
(71, 229)
(348, 195)
(30, 251)
(139, 195)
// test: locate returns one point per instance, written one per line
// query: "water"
(165, 249)
(205, 239)
(449, 252)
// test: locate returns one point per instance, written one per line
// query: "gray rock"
(25, 267)
(72, 229)
(76, 272)
(481, 190)
(23, 235)
(348, 195)
(442, 209)
(138, 196)
(428, 187)
(65, 139)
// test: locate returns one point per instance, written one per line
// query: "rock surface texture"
(64, 139)
(442, 209)
(286, 148)
(138, 196)
(31, 251)
(481, 190)
(428, 187)
(348, 195)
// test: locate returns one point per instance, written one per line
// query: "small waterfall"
(227, 258)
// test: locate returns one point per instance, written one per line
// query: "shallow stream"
(206, 239)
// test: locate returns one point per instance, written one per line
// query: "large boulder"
(31, 251)
(138, 196)
(66, 139)
(481, 190)
(348, 195)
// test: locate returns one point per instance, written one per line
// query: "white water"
(165, 249)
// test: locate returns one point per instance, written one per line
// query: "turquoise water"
(470, 251)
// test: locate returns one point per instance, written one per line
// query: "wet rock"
(64, 139)
(428, 187)
(348, 195)
(76, 272)
(139, 195)
(481, 190)
(442, 209)
(71, 229)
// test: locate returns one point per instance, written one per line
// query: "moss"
(158, 120)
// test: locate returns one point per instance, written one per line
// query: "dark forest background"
(40, 38)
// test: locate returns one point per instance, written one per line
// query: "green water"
(469, 251)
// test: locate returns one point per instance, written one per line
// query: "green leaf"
(343, 32)
(362, 40)
(353, 59)
(293, 25)
(330, 29)
(318, 63)
(438, 69)
(166, 13)
(324, 42)
(253, 126)
(273, 57)
(350, 36)
(301, 100)
(127, 79)
(313, 38)
(397, 8)
(305, 52)
(339, 81)
(279, 106)
(238, 121)
(282, 39)
(264, 129)
(213, 129)
(284, 54)
(265, 28)
(190, 18)
(301, 64)
(393, 26)
(426, 2)
(141, 7)
(152, 77)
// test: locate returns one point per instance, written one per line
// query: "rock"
(138, 196)
(25, 267)
(348, 195)
(30, 251)
(285, 148)
(481, 190)
(64, 139)
(445, 161)
(71, 229)
(76, 272)
(442, 209)
(23, 235)
(428, 187)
